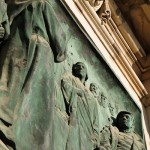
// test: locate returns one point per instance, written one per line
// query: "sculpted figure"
(27, 73)
(104, 100)
(82, 109)
(111, 109)
(4, 23)
(121, 136)
(94, 90)
(104, 111)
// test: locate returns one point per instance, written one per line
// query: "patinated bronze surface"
(46, 68)
(121, 136)
(81, 108)
(27, 73)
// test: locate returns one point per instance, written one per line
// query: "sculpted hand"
(2, 32)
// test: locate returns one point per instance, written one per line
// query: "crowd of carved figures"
(31, 115)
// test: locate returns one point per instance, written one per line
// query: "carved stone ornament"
(102, 9)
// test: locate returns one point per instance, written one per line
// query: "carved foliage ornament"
(102, 9)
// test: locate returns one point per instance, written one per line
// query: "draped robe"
(83, 114)
(27, 72)
(112, 139)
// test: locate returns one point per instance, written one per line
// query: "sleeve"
(56, 33)
(138, 143)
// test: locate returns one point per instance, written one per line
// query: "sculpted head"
(93, 87)
(80, 70)
(111, 109)
(104, 101)
(125, 121)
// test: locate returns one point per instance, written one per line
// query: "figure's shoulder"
(114, 128)
(137, 136)
(67, 75)
(139, 144)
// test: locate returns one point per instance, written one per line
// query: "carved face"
(93, 87)
(103, 101)
(111, 109)
(125, 121)
(80, 70)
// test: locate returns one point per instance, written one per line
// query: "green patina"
(32, 65)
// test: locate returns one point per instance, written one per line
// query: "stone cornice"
(122, 51)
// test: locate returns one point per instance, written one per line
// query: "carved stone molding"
(96, 4)
(102, 9)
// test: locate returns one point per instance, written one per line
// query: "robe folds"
(109, 138)
(27, 73)
(83, 114)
